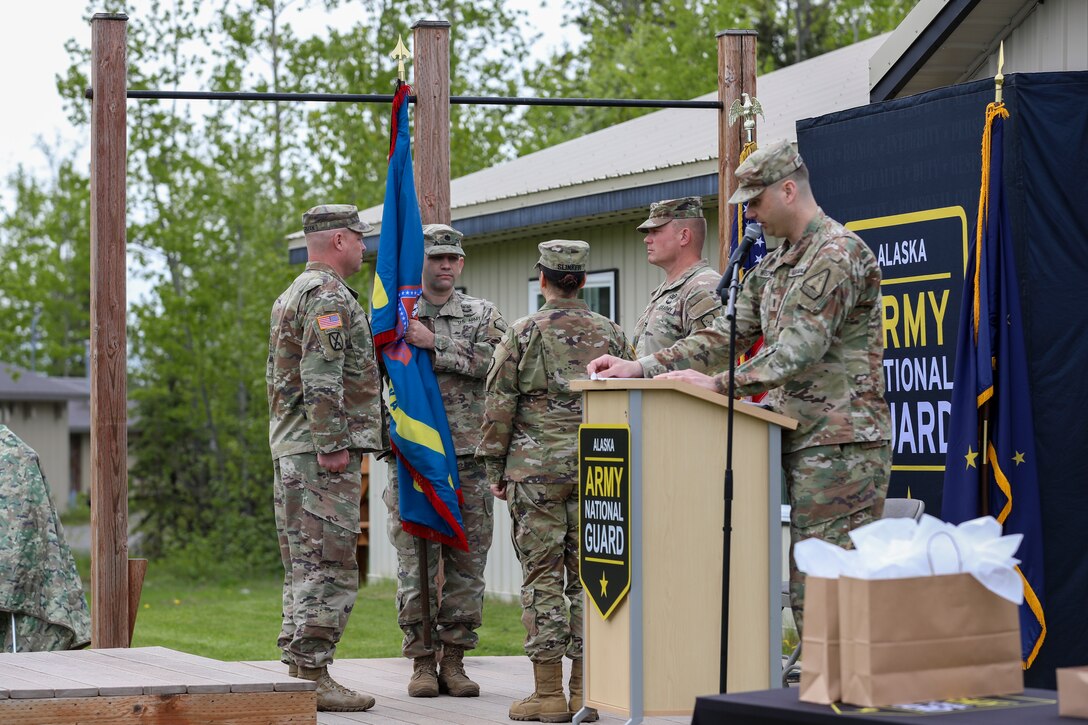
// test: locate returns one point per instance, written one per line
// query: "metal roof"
(19, 384)
(673, 152)
(671, 145)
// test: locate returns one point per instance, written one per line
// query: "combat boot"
(331, 695)
(292, 670)
(575, 686)
(547, 704)
(451, 674)
(424, 682)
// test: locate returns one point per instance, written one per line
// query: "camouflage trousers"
(832, 490)
(317, 517)
(460, 613)
(544, 521)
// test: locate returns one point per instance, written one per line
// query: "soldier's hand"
(610, 366)
(691, 376)
(498, 490)
(417, 334)
(334, 462)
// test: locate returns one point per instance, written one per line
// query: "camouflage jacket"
(322, 376)
(466, 330)
(817, 304)
(39, 582)
(530, 431)
(678, 308)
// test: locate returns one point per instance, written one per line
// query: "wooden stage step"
(146, 685)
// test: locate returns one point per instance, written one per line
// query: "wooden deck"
(502, 680)
(158, 685)
(147, 685)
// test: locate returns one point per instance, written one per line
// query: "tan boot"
(575, 686)
(424, 682)
(547, 704)
(292, 670)
(331, 695)
(451, 674)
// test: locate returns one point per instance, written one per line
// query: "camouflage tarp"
(39, 583)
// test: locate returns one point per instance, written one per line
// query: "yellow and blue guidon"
(430, 491)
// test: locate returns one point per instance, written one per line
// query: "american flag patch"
(329, 322)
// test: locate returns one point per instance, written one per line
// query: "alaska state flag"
(430, 491)
(991, 443)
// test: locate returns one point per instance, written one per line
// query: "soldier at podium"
(816, 300)
(530, 450)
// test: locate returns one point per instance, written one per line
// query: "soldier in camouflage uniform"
(687, 300)
(324, 407)
(40, 590)
(816, 301)
(530, 443)
(461, 332)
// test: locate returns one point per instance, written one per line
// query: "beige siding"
(1054, 37)
(44, 427)
(500, 271)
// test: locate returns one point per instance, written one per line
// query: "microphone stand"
(729, 298)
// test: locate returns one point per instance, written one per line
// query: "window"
(601, 293)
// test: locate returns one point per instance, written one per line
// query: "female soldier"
(530, 446)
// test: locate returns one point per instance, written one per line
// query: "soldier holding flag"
(461, 333)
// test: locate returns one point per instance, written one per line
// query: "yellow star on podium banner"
(604, 586)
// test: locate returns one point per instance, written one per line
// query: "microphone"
(752, 232)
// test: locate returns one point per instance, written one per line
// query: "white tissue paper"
(900, 548)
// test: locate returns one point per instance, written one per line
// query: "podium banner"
(604, 514)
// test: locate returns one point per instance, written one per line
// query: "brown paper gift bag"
(820, 679)
(1073, 692)
(926, 638)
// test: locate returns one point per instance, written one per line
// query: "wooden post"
(431, 70)
(736, 75)
(109, 433)
(137, 570)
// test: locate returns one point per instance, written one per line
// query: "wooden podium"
(659, 649)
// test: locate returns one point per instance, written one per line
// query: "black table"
(780, 706)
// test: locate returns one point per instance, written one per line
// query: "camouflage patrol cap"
(663, 212)
(564, 255)
(441, 239)
(333, 216)
(763, 168)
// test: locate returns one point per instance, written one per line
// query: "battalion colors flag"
(991, 464)
(429, 488)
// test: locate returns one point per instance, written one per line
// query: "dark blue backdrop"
(905, 173)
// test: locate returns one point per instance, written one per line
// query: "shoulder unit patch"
(814, 286)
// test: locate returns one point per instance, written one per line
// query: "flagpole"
(984, 412)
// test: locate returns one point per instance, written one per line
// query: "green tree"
(45, 270)
(213, 191)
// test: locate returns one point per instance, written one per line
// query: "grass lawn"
(239, 620)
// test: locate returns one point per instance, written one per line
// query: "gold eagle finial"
(746, 110)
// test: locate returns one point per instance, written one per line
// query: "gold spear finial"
(999, 80)
(401, 54)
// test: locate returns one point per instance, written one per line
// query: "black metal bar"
(388, 98)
